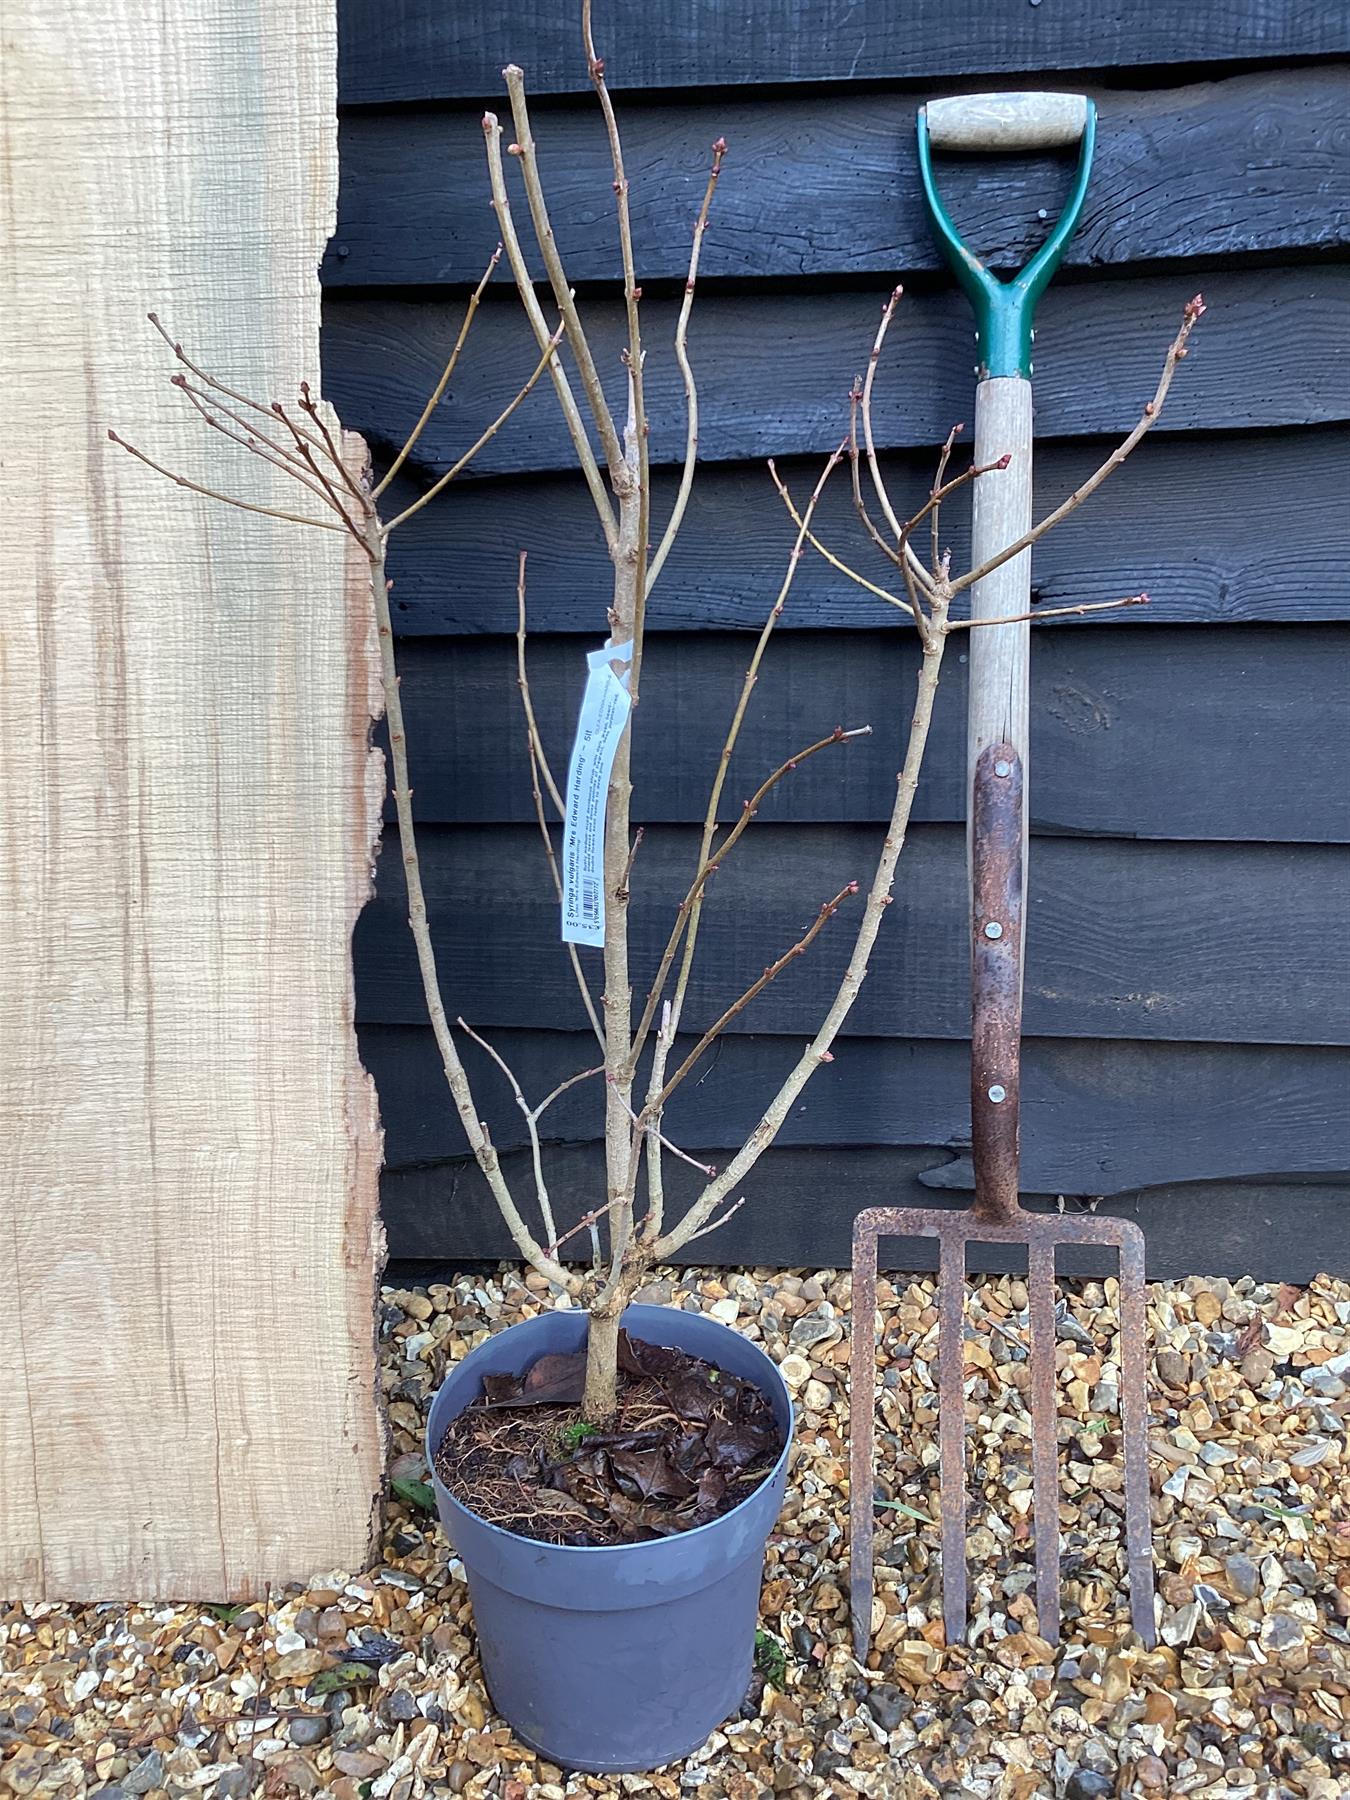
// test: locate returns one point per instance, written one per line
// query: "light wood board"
(188, 1237)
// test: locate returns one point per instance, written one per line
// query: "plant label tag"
(604, 714)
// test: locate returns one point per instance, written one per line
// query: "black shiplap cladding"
(1186, 1005)
(397, 50)
(829, 190)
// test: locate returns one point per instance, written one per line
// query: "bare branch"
(492, 133)
(308, 406)
(822, 918)
(522, 395)
(735, 1207)
(1050, 612)
(268, 512)
(592, 386)
(258, 446)
(902, 543)
(705, 1169)
(438, 392)
(456, 1078)
(690, 922)
(676, 518)
(913, 608)
(217, 386)
(1191, 313)
(935, 499)
(531, 1125)
(878, 899)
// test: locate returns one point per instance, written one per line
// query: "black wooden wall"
(1186, 1014)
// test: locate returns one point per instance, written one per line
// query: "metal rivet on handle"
(993, 929)
(1002, 768)
(997, 1093)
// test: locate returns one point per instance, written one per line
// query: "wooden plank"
(191, 1145)
(774, 368)
(419, 49)
(1212, 942)
(801, 1204)
(1228, 528)
(828, 184)
(1097, 1117)
(1159, 732)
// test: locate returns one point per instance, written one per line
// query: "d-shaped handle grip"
(1006, 121)
(1004, 310)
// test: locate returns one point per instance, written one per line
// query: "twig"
(822, 918)
(531, 1125)
(311, 410)
(676, 518)
(705, 1169)
(935, 500)
(214, 383)
(1191, 313)
(521, 396)
(1050, 612)
(492, 133)
(268, 512)
(626, 879)
(258, 446)
(438, 392)
(735, 1207)
(914, 610)
(903, 545)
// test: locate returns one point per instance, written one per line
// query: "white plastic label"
(604, 713)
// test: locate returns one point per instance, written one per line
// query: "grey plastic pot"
(624, 1658)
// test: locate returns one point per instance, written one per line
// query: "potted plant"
(610, 1473)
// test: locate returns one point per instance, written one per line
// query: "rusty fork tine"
(1044, 1435)
(862, 1385)
(1134, 1430)
(952, 1431)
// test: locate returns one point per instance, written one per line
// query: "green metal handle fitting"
(1005, 310)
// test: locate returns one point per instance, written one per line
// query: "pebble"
(1251, 1538)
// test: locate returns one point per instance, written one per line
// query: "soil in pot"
(687, 1443)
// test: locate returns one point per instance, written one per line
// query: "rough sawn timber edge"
(190, 803)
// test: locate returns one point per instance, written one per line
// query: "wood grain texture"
(1218, 529)
(1135, 731)
(1126, 939)
(420, 49)
(775, 368)
(801, 1204)
(191, 1145)
(1255, 166)
(1097, 1118)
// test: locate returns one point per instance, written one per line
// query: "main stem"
(600, 1397)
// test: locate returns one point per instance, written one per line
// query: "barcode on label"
(590, 900)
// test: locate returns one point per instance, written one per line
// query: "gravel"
(366, 1685)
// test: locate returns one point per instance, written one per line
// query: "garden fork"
(997, 841)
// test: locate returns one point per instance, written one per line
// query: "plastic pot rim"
(646, 1544)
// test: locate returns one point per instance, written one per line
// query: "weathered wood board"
(1134, 731)
(1125, 938)
(190, 1143)
(1221, 530)
(800, 1206)
(775, 367)
(1257, 165)
(418, 49)
(1097, 1117)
